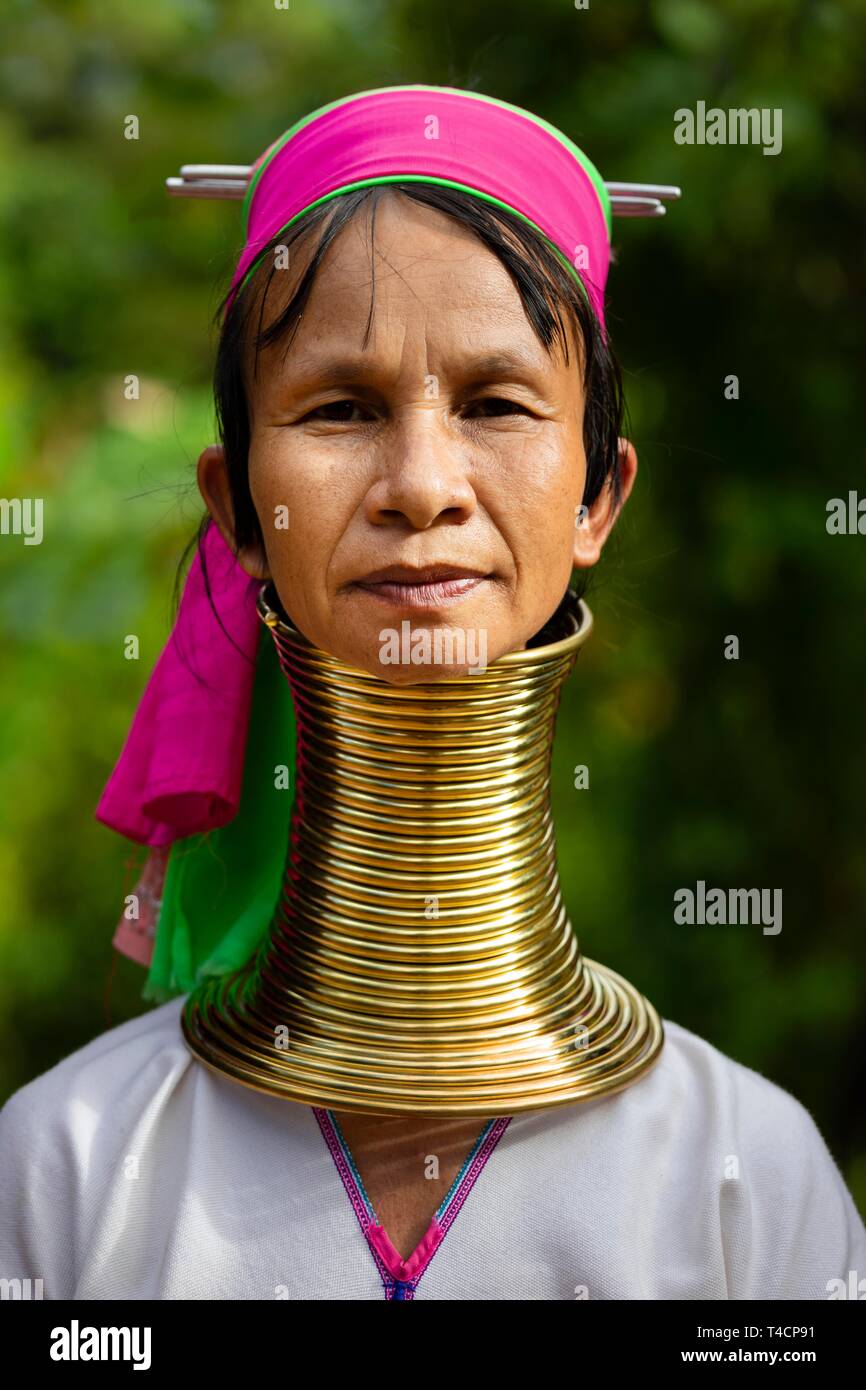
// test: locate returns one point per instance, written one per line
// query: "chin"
(405, 649)
(418, 656)
(421, 675)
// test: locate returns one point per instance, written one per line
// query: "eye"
(340, 411)
(493, 406)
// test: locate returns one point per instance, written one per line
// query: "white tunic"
(130, 1171)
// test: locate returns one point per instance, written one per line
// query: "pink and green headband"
(436, 135)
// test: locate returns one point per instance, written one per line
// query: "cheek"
(536, 507)
(299, 506)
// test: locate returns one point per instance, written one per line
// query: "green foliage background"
(746, 773)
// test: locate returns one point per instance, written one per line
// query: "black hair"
(546, 288)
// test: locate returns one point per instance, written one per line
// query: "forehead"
(400, 272)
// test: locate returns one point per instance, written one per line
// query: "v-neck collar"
(400, 1277)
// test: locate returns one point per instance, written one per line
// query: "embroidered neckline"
(400, 1277)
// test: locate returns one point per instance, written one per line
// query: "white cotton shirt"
(131, 1171)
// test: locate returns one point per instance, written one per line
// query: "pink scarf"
(181, 767)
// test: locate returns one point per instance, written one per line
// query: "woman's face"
(432, 477)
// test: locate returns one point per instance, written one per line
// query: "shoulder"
(108, 1075)
(720, 1176)
(696, 1110)
(65, 1143)
(720, 1094)
(769, 1177)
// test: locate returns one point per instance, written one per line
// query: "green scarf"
(221, 887)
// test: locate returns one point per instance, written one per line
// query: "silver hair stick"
(648, 190)
(215, 171)
(231, 181)
(205, 188)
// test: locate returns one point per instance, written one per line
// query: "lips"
(433, 586)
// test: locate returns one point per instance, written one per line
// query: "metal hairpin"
(231, 180)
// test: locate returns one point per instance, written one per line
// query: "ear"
(593, 529)
(213, 484)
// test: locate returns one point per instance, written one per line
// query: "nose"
(422, 474)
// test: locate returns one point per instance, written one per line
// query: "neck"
(420, 960)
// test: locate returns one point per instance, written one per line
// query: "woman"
(384, 1014)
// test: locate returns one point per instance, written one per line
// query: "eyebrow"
(490, 366)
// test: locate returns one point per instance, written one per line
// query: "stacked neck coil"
(420, 959)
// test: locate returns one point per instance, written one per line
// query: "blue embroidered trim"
(443, 1207)
(362, 1191)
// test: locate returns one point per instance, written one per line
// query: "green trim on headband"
(221, 888)
(419, 178)
(582, 159)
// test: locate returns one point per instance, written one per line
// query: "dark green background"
(747, 773)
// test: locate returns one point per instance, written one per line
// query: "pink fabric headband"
(435, 134)
(181, 767)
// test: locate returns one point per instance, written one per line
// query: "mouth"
(434, 586)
